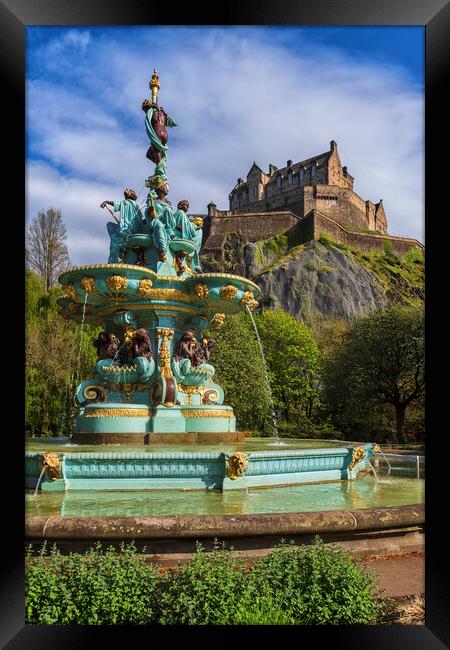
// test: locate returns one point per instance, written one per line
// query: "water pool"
(398, 486)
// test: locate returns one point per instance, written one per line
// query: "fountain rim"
(143, 269)
(90, 527)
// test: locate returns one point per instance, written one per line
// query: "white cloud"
(236, 97)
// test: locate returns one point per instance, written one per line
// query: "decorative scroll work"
(144, 286)
(164, 351)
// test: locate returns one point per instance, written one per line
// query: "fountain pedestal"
(165, 398)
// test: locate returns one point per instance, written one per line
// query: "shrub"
(319, 585)
(315, 584)
(413, 256)
(98, 588)
(204, 591)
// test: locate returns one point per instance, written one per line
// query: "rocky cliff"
(323, 278)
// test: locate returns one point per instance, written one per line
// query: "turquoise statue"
(130, 221)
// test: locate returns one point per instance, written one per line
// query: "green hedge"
(317, 584)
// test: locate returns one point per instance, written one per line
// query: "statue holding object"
(129, 222)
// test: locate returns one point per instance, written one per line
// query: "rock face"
(311, 280)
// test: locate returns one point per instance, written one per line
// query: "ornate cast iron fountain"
(153, 380)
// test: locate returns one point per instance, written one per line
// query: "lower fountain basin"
(199, 470)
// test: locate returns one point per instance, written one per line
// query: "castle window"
(301, 175)
(290, 178)
(314, 169)
(255, 191)
(279, 181)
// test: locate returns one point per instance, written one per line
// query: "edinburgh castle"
(314, 196)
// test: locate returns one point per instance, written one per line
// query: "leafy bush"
(315, 584)
(413, 256)
(319, 585)
(98, 588)
(205, 591)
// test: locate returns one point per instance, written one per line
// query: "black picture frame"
(15, 16)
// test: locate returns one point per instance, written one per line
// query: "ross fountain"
(153, 382)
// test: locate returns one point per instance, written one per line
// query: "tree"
(292, 357)
(54, 363)
(240, 372)
(46, 253)
(380, 363)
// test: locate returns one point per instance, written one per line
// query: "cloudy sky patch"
(237, 95)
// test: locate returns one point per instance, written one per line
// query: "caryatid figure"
(158, 213)
(128, 223)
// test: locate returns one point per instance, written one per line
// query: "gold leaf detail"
(88, 284)
(218, 320)
(144, 286)
(117, 412)
(247, 297)
(164, 351)
(201, 290)
(116, 283)
(188, 413)
(69, 291)
(228, 292)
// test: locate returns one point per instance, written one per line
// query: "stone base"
(140, 438)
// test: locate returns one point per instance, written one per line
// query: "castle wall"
(339, 203)
(253, 226)
(315, 223)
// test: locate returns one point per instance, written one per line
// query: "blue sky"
(238, 94)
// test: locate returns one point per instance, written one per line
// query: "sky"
(237, 95)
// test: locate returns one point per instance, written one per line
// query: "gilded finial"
(154, 86)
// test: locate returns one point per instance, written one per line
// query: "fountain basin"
(199, 471)
(170, 539)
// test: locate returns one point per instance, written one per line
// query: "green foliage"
(292, 253)
(304, 427)
(388, 248)
(204, 591)
(269, 249)
(326, 239)
(364, 231)
(314, 584)
(53, 362)
(99, 588)
(379, 364)
(292, 358)
(240, 372)
(401, 278)
(413, 256)
(318, 585)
